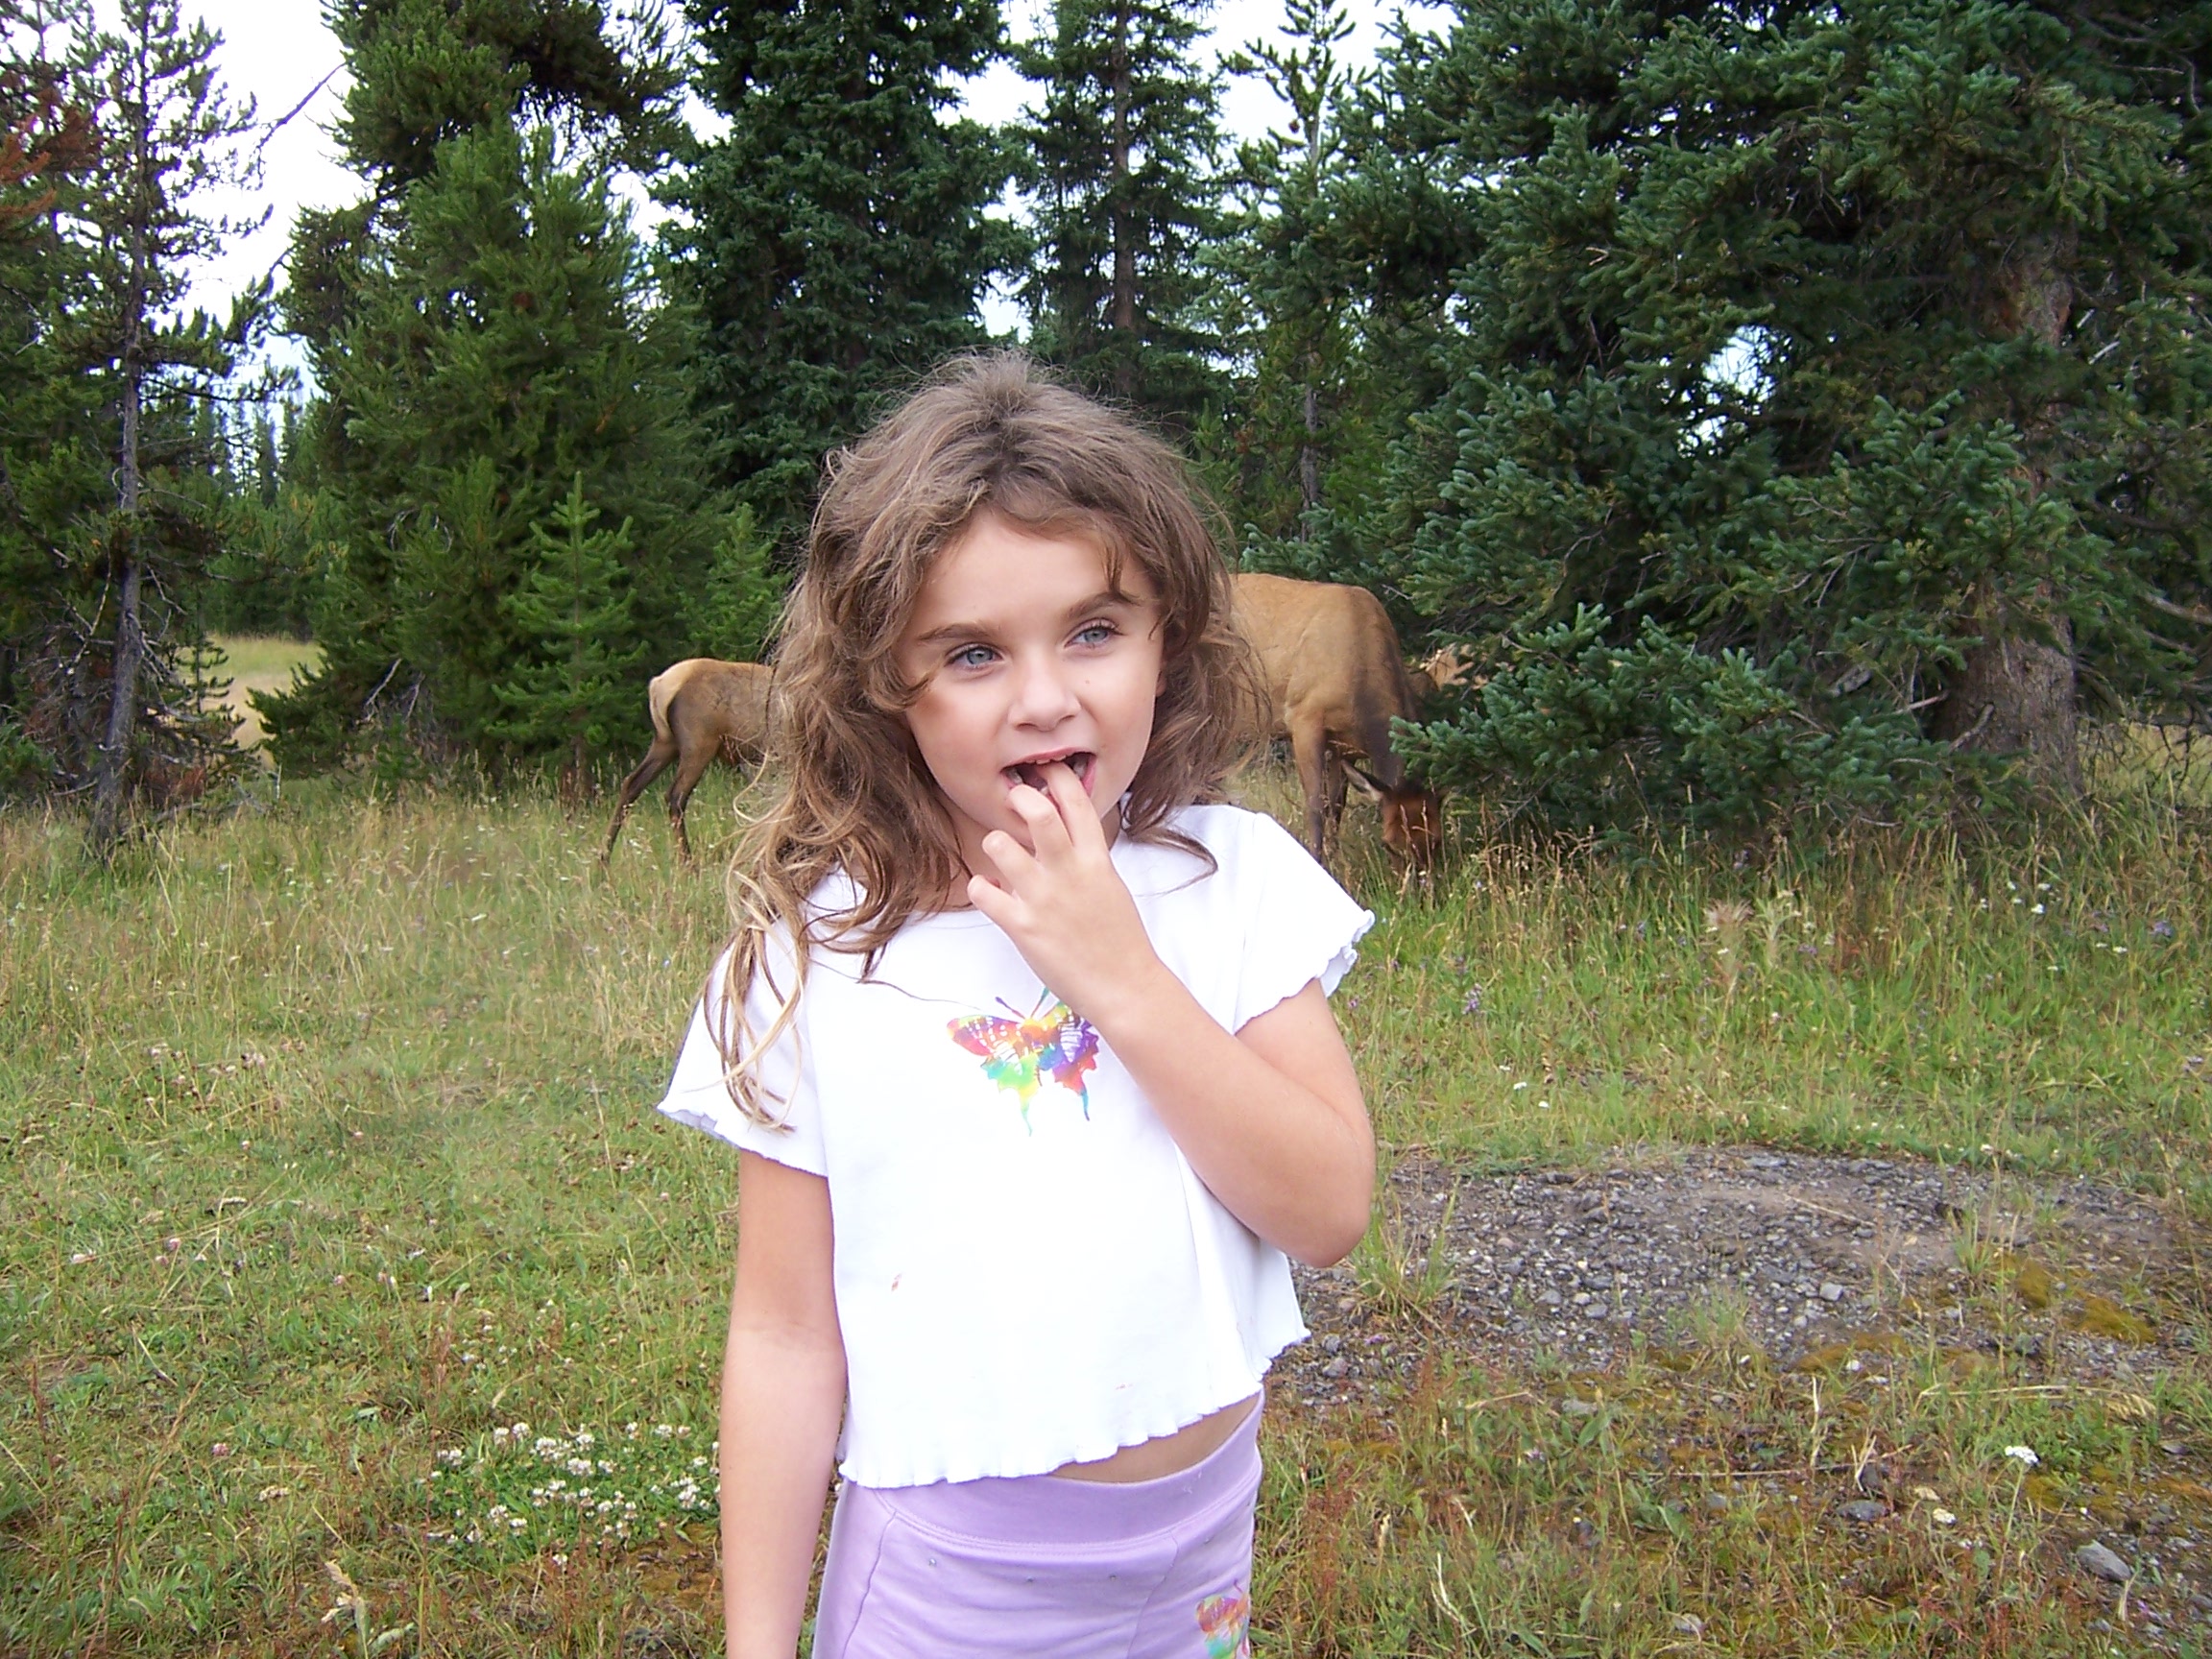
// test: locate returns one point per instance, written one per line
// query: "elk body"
(701, 708)
(1334, 681)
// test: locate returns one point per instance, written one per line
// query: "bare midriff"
(1165, 1454)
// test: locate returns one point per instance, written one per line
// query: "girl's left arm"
(1270, 1116)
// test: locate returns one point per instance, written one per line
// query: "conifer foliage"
(428, 70)
(1793, 408)
(1823, 390)
(1290, 303)
(575, 690)
(483, 340)
(121, 131)
(1122, 144)
(500, 348)
(839, 242)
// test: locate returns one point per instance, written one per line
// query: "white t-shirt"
(1028, 1271)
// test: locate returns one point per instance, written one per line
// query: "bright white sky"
(278, 51)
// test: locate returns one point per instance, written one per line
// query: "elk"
(1333, 680)
(701, 708)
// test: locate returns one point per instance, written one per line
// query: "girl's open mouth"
(1032, 771)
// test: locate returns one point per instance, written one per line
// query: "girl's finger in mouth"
(1032, 771)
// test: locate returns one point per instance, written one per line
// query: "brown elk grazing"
(1334, 681)
(701, 708)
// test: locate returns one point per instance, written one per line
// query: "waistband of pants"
(1054, 1510)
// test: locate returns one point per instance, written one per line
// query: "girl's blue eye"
(1095, 633)
(971, 657)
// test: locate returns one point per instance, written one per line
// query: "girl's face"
(1025, 655)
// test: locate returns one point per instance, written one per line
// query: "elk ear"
(1366, 781)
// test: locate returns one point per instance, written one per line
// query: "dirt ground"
(1796, 1253)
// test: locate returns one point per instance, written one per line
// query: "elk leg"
(656, 758)
(688, 771)
(1309, 749)
(1332, 802)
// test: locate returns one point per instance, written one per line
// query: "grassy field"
(259, 663)
(340, 1250)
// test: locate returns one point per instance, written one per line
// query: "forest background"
(1792, 410)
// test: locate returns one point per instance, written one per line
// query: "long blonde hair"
(987, 432)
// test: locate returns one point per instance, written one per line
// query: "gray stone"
(1577, 1408)
(1831, 1291)
(2100, 1562)
(1863, 1510)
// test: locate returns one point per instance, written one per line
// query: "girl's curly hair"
(989, 432)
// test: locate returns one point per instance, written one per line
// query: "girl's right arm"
(783, 1401)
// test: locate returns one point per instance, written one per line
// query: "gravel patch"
(1799, 1254)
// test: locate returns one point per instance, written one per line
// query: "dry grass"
(326, 1152)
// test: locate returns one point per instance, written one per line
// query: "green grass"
(1698, 1497)
(2048, 1007)
(328, 1150)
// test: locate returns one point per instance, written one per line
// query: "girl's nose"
(1043, 696)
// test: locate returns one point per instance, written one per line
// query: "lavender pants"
(1044, 1565)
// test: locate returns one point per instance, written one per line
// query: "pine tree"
(427, 71)
(838, 240)
(54, 448)
(575, 692)
(505, 345)
(743, 595)
(1823, 392)
(484, 326)
(169, 137)
(1122, 149)
(1292, 302)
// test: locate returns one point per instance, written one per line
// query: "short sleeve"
(698, 1092)
(1299, 925)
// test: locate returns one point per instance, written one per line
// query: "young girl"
(1025, 1047)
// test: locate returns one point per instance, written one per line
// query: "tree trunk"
(112, 775)
(2017, 693)
(1310, 451)
(1124, 301)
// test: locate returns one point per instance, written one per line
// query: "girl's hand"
(1064, 905)
(1270, 1118)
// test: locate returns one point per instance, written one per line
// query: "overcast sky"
(278, 53)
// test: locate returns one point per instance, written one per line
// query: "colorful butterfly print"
(1226, 1621)
(1020, 1054)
